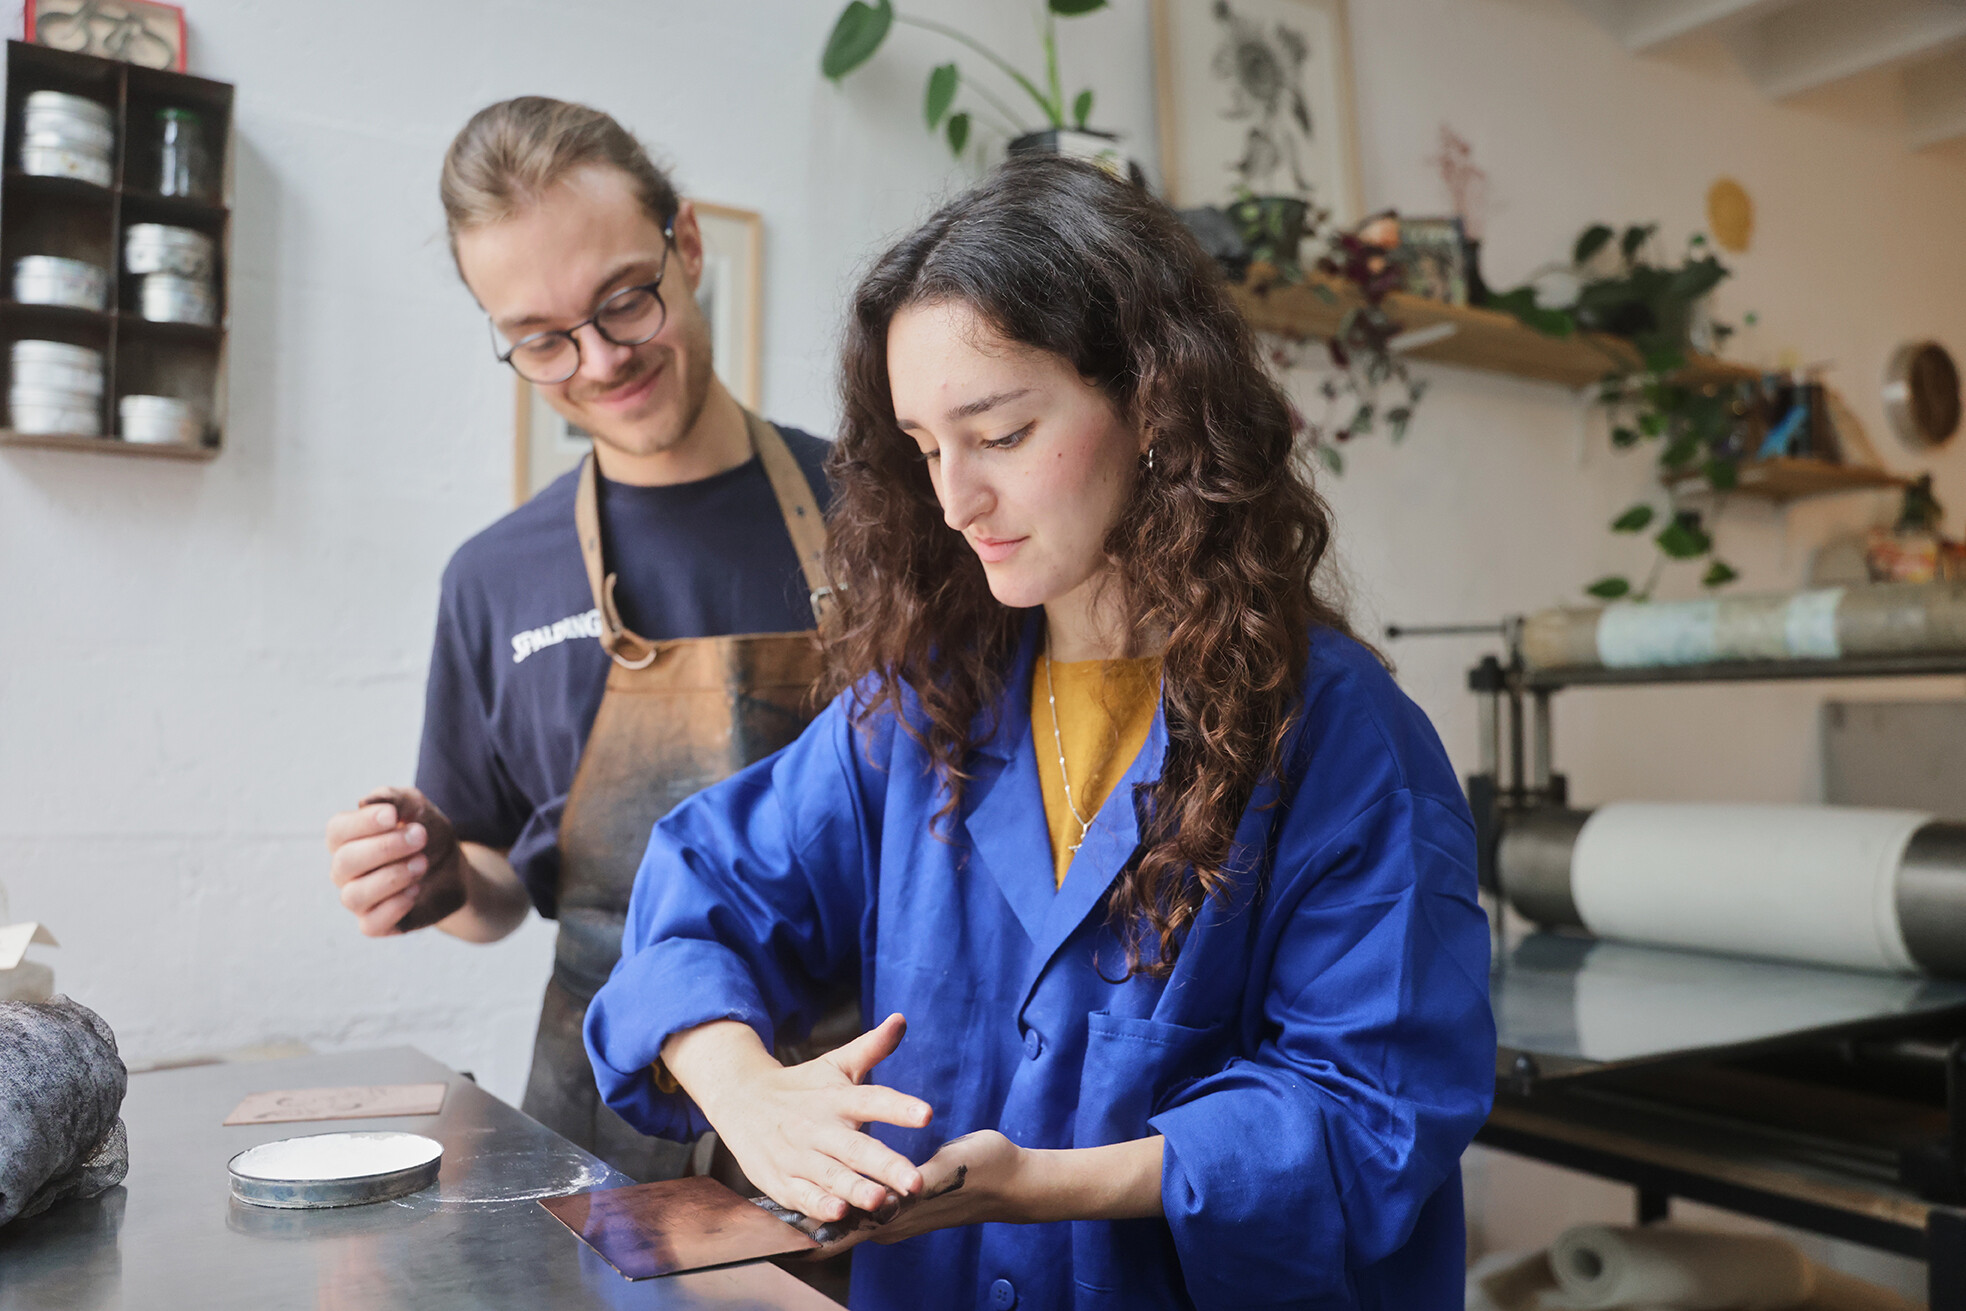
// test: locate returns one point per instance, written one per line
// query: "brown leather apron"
(677, 716)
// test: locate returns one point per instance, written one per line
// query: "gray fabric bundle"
(61, 1086)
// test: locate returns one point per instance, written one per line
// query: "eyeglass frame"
(594, 320)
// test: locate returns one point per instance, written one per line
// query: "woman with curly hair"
(1173, 885)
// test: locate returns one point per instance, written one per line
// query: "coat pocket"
(1131, 1066)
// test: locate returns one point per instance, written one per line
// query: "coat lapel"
(1109, 844)
(1005, 821)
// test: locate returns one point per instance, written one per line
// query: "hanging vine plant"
(1624, 290)
(1362, 362)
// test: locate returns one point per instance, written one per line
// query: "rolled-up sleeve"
(748, 906)
(1372, 1069)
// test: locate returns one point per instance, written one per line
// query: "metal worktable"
(172, 1236)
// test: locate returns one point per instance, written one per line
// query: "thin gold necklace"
(1058, 740)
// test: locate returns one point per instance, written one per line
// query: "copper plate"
(676, 1225)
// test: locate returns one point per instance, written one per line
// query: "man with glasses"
(688, 545)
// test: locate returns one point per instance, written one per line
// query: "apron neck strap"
(795, 503)
(801, 512)
(627, 649)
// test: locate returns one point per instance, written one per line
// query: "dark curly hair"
(1218, 548)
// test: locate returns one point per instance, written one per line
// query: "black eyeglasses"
(629, 317)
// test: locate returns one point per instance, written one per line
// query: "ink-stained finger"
(815, 1201)
(875, 1160)
(848, 1186)
(871, 1103)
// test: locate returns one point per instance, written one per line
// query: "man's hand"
(396, 861)
(795, 1132)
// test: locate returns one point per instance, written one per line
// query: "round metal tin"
(171, 298)
(56, 352)
(61, 103)
(49, 161)
(158, 420)
(161, 248)
(52, 280)
(65, 133)
(260, 1178)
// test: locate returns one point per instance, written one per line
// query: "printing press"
(1760, 1008)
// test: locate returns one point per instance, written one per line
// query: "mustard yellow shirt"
(1105, 708)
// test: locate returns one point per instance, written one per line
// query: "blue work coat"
(1317, 1062)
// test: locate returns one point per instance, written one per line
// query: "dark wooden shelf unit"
(78, 220)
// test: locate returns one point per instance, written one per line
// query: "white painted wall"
(203, 661)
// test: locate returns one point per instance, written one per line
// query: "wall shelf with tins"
(1474, 338)
(77, 219)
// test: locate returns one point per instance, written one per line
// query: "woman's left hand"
(975, 1178)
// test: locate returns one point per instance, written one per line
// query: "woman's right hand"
(796, 1130)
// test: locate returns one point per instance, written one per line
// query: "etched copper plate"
(675, 1225)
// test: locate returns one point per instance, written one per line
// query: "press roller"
(1842, 886)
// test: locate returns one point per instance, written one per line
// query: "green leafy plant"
(1625, 291)
(861, 28)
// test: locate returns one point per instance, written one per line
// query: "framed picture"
(1257, 95)
(135, 31)
(731, 296)
(1434, 252)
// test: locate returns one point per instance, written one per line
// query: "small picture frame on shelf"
(1434, 253)
(730, 294)
(141, 32)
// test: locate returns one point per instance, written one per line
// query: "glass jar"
(184, 165)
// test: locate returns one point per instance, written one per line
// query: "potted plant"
(1618, 287)
(862, 27)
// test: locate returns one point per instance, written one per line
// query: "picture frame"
(142, 32)
(1434, 253)
(731, 295)
(1257, 95)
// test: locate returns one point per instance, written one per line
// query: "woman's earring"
(1150, 459)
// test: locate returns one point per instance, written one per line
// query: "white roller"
(1809, 883)
(1598, 1267)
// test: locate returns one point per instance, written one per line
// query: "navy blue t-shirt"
(516, 673)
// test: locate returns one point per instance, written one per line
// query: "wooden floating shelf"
(1474, 338)
(1790, 479)
(107, 445)
(1464, 335)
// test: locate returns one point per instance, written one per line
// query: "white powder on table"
(336, 1156)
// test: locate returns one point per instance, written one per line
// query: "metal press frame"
(1663, 1155)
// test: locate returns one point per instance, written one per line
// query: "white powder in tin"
(336, 1156)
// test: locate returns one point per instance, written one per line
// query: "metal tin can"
(49, 161)
(158, 419)
(169, 298)
(42, 412)
(161, 248)
(52, 280)
(62, 104)
(56, 366)
(69, 134)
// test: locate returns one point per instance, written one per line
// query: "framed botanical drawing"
(731, 296)
(1257, 95)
